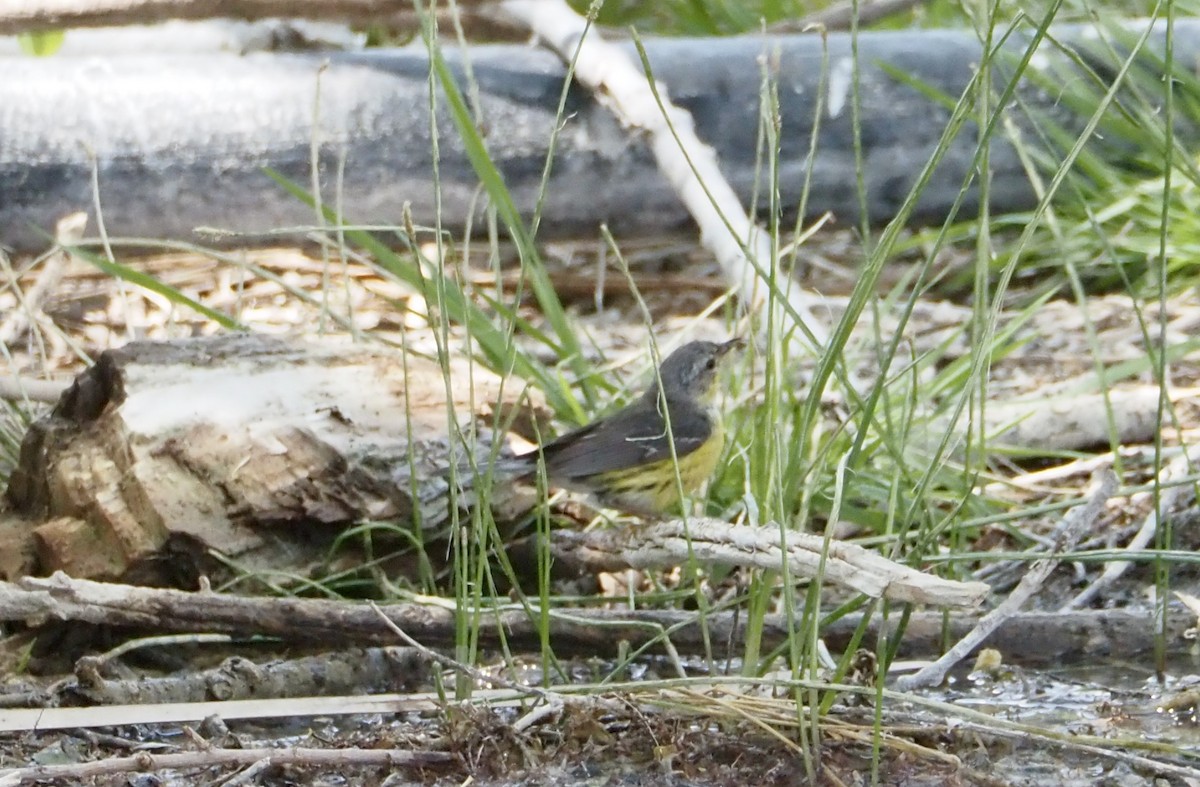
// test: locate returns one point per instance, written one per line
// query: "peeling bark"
(249, 445)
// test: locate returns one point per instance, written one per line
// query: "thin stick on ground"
(176, 713)
(1173, 497)
(1074, 525)
(146, 762)
(20, 389)
(721, 543)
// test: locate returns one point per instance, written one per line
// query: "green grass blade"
(151, 284)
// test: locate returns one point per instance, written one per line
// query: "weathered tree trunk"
(244, 444)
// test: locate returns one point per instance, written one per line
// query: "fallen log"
(23, 16)
(1026, 638)
(180, 141)
(257, 447)
(399, 17)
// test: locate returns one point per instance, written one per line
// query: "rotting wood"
(254, 446)
(361, 670)
(1027, 638)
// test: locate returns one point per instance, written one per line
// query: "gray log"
(180, 141)
(1030, 638)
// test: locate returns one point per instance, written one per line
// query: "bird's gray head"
(691, 371)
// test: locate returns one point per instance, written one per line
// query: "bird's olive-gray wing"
(625, 439)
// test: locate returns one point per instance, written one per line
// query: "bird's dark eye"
(711, 363)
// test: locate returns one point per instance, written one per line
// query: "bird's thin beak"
(731, 345)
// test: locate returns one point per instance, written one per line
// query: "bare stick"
(1074, 525)
(346, 672)
(721, 543)
(25, 388)
(252, 774)
(1031, 638)
(1173, 497)
(1044, 480)
(143, 762)
(25, 719)
(690, 165)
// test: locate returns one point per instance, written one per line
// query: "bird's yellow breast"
(653, 488)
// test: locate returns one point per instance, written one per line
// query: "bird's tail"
(502, 482)
(484, 469)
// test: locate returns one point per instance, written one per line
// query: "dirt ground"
(626, 739)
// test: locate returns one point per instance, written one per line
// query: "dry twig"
(144, 762)
(27, 389)
(1172, 498)
(1031, 638)
(1074, 525)
(721, 543)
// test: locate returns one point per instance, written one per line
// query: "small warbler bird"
(624, 460)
